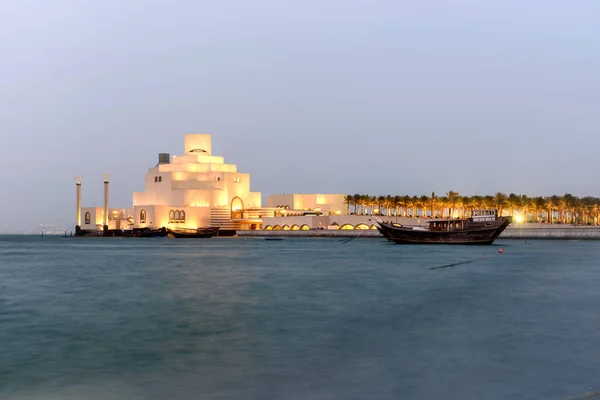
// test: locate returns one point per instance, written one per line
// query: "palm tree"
(397, 204)
(468, 204)
(348, 199)
(452, 199)
(423, 203)
(442, 204)
(537, 204)
(524, 204)
(389, 203)
(568, 204)
(499, 202)
(512, 202)
(433, 200)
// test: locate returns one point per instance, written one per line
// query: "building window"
(87, 218)
(217, 178)
(236, 179)
(160, 178)
(176, 216)
(155, 179)
(143, 217)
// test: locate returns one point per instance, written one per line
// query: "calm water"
(231, 318)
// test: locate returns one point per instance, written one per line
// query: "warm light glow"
(519, 219)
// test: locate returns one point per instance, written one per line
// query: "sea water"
(234, 318)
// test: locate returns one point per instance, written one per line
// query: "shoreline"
(555, 233)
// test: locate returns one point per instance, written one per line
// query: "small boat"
(200, 233)
(483, 227)
(146, 232)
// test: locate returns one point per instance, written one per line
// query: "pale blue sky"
(378, 97)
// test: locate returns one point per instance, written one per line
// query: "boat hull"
(146, 232)
(478, 234)
(194, 234)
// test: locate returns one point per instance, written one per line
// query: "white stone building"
(196, 189)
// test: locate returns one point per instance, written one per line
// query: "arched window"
(373, 227)
(276, 228)
(361, 226)
(268, 228)
(171, 216)
(155, 179)
(285, 227)
(176, 217)
(182, 216)
(87, 218)
(295, 228)
(160, 178)
(143, 217)
(304, 227)
(347, 227)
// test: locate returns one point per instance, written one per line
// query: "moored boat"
(483, 227)
(146, 232)
(200, 233)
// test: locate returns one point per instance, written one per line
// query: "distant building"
(313, 211)
(297, 203)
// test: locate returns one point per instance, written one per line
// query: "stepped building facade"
(195, 190)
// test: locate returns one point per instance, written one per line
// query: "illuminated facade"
(193, 190)
(92, 218)
(327, 204)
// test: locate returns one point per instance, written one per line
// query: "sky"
(314, 96)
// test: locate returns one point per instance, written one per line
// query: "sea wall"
(580, 233)
(537, 231)
(367, 233)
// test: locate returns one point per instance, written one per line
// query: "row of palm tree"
(566, 209)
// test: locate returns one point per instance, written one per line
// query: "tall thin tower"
(78, 205)
(105, 220)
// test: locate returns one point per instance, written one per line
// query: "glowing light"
(519, 219)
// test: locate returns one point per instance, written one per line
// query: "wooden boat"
(146, 232)
(200, 233)
(483, 227)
